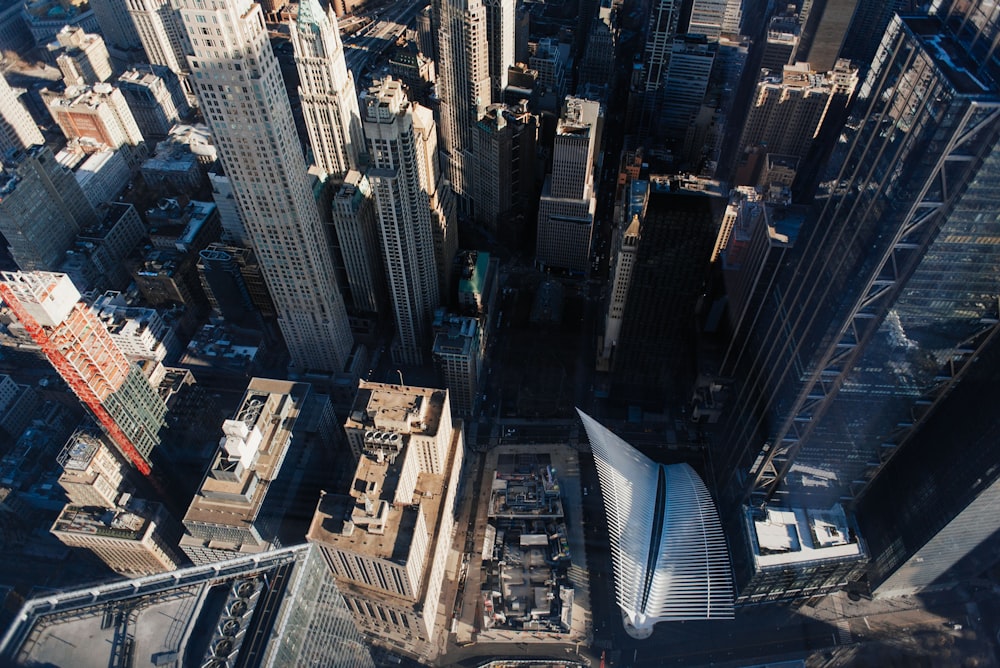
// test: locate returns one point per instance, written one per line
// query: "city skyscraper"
(416, 223)
(625, 249)
(162, 35)
(356, 224)
(117, 28)
(463, 81)
(326, 90)
(504, 149)
(787, 113)
(18, 129)
(243, 99)
(566, 209)
(100, 114)
(500, 40)
(75, 341)
(890, 290)
(42, 209)
(664, 17)
(707, 17)
(386, 540)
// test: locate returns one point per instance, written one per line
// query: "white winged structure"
(667, 547)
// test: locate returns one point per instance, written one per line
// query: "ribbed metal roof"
(669, 553)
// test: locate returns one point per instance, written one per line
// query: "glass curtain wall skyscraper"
(891, 290)
(239, 84)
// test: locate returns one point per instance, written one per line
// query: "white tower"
(243, 99)
(162, 35)
(463, 80)
(17, 129)
(326, 89)
(500, 36)
(412, 204)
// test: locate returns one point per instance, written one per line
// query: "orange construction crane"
(74, 379)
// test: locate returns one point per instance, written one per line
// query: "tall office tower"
(356, 223)
(566, 209)
(667, 546)
(416, 223)
(782, 40)
(664, 17)
(707, 17)
(504, 154)
(732, 17)
(652, 362)
(75, 341)
(549, 60)
(135, 541)
(98, 113)
(687, 77)
(867, 27)
(42, 209)
(93, 474)
(117, 27)
(326, 91)
(463, 81)
(459, 348)
(162, 35)
(500, 41)
(387, 540)
(597, 65)
(425, 32)
(786, 114)
(825, 25)
(156, 100)
(244, 101)
(623, 257)
(930, 516)
(890, 292)
(242, 500)
(18, 129)
(84, 58)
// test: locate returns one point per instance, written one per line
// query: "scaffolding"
(92, 376)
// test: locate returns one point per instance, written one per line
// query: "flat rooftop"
(117, 524)
(398, 408)
(332, 523)
(271, 406)
(797, 535)
(174, 619)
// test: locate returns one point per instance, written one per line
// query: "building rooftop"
(184, 617)
(396, 408)
(118, 524)
(115, 212)
(369, 521)
(525, 493)
(797, 535)
(79, 451)
(250, 455)
(473, 272)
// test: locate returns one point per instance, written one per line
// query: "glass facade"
(892, 285)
